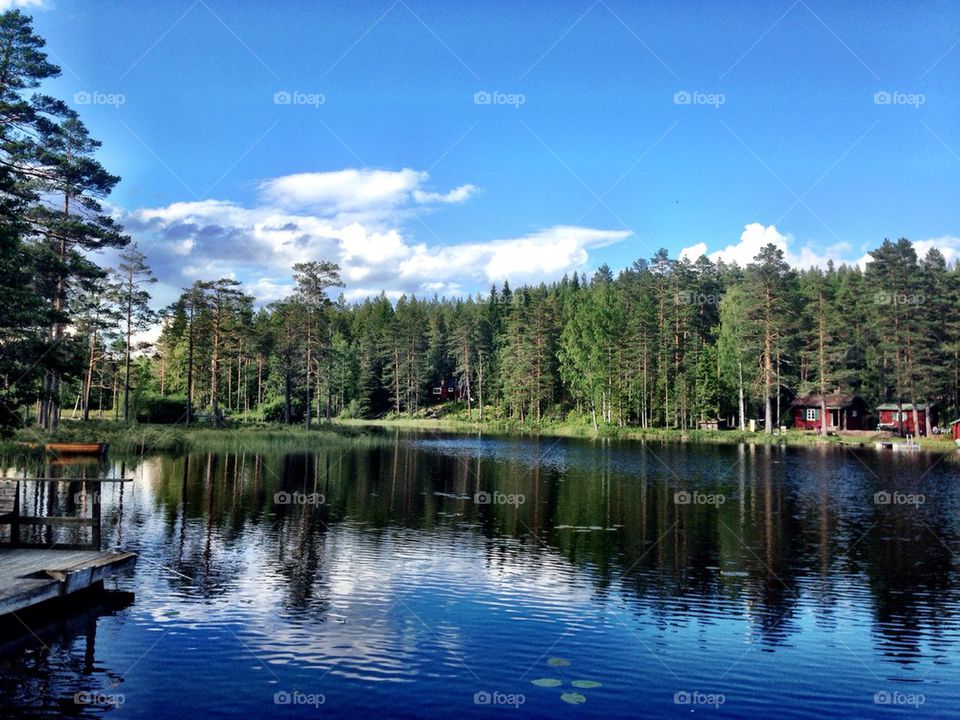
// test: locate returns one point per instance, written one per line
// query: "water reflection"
(49, 665)
(438, 561)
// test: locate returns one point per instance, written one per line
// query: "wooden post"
(15, 520)
(94, 496)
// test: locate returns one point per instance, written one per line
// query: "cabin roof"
(833, 402)
(901, 406)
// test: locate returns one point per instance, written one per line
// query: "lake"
(423, 575)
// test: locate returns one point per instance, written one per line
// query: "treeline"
(53, 296)
(664, 343)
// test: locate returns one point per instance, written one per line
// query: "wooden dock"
(33, 572)
(29, 577)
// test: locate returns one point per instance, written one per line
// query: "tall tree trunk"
(259, 378)
(308, 406)
(215, 366)
(88, 378)
(822, 363)
(480, 384)
(396, 379)
(189, 367)
(767, 365)
(126, 358)
(743, 409)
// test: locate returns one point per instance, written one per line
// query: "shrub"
(273, 410)
(161, 410)
(352, 411)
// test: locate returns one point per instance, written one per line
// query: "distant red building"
(900, 419)
(955, 427)
(444, 391)
(844, 412)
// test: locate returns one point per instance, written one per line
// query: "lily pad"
(573, 698)
(547, 682)
(586, 684)
(558, 662)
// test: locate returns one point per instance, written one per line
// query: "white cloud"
(949, 245)
(457, 195)
(11, 4)
(694, 252)
(542, 255)
(755, 236)
(363, 195)
(355, 218)
(348, 189)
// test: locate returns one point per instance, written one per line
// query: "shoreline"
(140, 438)
(791, 437)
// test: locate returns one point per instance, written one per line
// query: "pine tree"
(130, 279)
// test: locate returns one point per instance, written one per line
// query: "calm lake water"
(417, 575)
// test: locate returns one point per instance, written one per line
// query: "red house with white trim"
(844, 412)
(899, 418)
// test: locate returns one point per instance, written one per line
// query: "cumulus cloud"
(755, 236)
(949, 245)
(355, 218)
(361, 195)
(342, 189)
(543, 254)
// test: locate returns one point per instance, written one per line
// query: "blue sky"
(441, 146)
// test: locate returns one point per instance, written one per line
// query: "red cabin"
(442, 392)
(900, 418)
(844, 412)
(955, 428)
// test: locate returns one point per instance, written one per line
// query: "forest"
(664, 343)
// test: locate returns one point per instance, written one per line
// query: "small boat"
(66, 448)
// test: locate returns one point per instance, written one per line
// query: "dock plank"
(29, 577)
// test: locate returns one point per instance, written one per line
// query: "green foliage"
(161, 410)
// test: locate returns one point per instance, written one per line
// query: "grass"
(139, 438)
(452, 417)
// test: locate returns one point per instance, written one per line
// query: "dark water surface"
(370, 578)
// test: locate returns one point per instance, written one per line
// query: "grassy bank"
(457, 421)
(140, 438)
